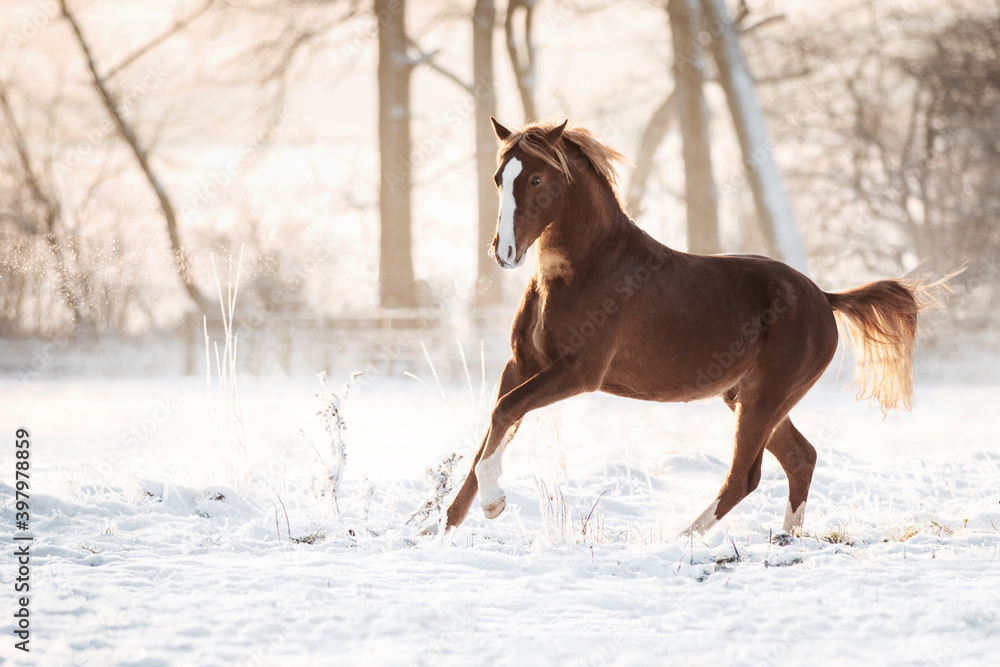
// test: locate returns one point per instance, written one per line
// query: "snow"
(145, 553)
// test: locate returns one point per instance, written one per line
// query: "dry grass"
(838, 535)
(901, 534)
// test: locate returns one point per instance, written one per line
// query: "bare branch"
(645, 159)
(772, 18)
(177, 27)
(53, 210)
(784, 76)
(127, 133)
(428, 59)
(40, 194)
(524, 67)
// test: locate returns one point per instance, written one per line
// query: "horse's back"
(714, 320)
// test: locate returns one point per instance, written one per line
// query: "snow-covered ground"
(148, 551)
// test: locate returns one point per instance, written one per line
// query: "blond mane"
(531, 139)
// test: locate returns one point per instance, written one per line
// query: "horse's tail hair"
(879, 323)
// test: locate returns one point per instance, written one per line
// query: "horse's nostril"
(511, 251)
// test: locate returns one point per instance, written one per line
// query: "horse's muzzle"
(507, 257)
(504, 264)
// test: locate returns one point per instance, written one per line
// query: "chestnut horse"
(609, 308)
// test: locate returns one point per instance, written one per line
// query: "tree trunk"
(689, 78)
(396, 286)
(773, 206)
(483, 21)
(127, 132)
(645, 157)
(524, 65)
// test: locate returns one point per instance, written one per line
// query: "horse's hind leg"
(798, 459)
(759, 416)
(754, 424)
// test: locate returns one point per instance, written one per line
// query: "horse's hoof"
(782, 539)
(429, 530)
(493, 510)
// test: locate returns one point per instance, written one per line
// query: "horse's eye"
(537, 180)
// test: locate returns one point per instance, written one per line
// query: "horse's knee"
(807, 453)
(753, 475)
(801, 463)
(753, 480)
(501, 419)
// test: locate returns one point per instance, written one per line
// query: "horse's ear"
(552, 136)
(502, 132)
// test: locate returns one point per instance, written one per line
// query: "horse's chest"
(548, 328)
(536, 333)
(530, 337)
(549, 322)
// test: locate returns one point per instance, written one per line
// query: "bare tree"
(773, 206)
(689, 77)
(483, 91)
(396, 277)
(645, 159)
(129, 135)
(658, 125)
(523, 59)
(49, 203)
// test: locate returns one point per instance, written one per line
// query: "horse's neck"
(591, 217)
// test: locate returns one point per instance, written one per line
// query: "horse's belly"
(662, 395)
(676, 375)
(665, 390)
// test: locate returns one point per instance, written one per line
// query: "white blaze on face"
(506, 248)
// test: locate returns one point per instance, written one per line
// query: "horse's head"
(532, 192)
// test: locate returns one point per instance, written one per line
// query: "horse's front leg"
(557, 381)
(459, 507)
(511, 377)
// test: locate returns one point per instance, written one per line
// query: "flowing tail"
(880, 320)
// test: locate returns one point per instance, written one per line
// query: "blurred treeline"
(142, 145)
